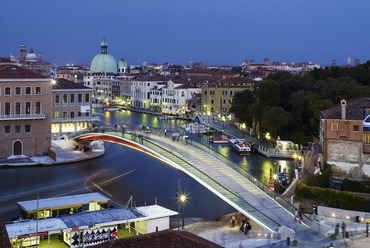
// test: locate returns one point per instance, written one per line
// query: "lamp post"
(267, 140)
(183, 200)
(243, 129)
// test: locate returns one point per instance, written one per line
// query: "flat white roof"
(63, 201)
(29, 227)
(155, 211)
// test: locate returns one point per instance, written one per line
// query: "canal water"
(123, 172)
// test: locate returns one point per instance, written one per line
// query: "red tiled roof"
(64, 84)
(355, 110)
(4, 238)
(13, 71)
(166, 238)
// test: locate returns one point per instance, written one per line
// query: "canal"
(123, 172)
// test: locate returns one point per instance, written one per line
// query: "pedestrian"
(300, 214)
(247, 227)
(337, 230)
(233, 220)
(242, 226)
(296, 215)
(367, 229)
(165, 132)
(343, 228)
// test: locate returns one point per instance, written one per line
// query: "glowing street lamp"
(182, 202)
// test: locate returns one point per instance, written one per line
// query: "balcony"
(22, 117)
(78, 119)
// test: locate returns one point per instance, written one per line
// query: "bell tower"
(22, 53)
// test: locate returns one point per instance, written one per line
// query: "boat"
(240, 146)
(220, 140)
(113, 109)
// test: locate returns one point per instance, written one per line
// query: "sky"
(177, 31)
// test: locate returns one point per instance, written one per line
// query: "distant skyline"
(212, 31)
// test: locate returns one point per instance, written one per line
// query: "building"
(345, 139)
(217, 97)
(166, 238)
(34, 62)
(25, 112)
(83, 220)
(56, 206)
(71, 72)
(71, 107)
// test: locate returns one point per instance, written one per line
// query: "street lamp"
(243, 129)
(182, 201)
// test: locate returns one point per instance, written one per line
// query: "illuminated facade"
(217, 97)
(71, 107)
(345, 139)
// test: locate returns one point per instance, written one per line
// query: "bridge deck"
(220, 178)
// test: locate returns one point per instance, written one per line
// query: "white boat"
(220, 140)
(240, 146)
(113, 109)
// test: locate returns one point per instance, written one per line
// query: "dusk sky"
(212, 31)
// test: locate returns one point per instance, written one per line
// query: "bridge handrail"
(134, 138)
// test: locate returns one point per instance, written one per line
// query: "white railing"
(23, 117)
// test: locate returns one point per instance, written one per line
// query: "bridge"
(217, 173)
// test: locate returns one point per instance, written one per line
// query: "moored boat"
(240, 146)
(220, 140)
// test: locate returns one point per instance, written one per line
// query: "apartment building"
(345, 138)
(217, 96)
(25, 112)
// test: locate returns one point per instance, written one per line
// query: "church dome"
(31, 57)
(103, 62)
(122, 63)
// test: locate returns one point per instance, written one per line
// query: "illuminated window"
(28, 108)
(38, 90)
(56, 115)
(65, 99)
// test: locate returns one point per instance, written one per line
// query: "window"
(65, 99)
(224, 101)
(28, 90)
(223, 109)
(224, 92)
(17, 91)
(27, 128)
(7, 91)
(212, 101)
(28, 108)
(17, 129)
(56, 114)
(7, 129)
(17, 108)
(57, 100)
(79, 114)
(38, 90)
(7, 108)
(356, 128)
(231, 92)
(38, 108)
(87, 114)
(87, 98)
(212, 92)
(64, 115)
(205, 92)
(72, 114)
(79, 99)
(72, 99)
(334, 127)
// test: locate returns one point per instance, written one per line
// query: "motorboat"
(240, 146)
(220, 140)
(113, 109)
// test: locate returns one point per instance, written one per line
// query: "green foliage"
(274, 118)
(355, 186)
(241, 106)
(303, 97)
(320, 180)
(333, 237)
(330, 197)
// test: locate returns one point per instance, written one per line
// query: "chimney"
(343, 103)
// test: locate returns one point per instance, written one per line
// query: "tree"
(274, 118)
(241, 106)
(268, 92)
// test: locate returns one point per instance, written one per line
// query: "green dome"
(122, 63)
(104, 62)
